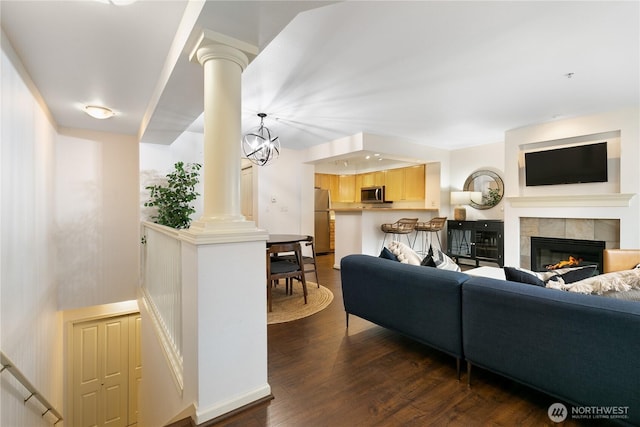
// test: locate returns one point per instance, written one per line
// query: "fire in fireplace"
(552, 253)
(571, 262)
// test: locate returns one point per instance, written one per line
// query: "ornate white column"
(223, 255)
(223, 65)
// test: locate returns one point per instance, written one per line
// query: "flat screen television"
(571, 165)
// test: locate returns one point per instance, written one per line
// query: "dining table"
(285, 238)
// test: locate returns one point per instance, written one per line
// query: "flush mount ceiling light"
(259, 146)
(117, 2)
(98, 112)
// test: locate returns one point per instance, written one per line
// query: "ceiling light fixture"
(98, 112)
(259, 146)
(117, 2)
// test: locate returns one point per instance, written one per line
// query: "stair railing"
(8, 365)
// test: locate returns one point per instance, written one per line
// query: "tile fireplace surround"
(607, 230)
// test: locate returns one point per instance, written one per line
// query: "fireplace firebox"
(550, 252)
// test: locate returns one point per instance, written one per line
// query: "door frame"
(86, 314)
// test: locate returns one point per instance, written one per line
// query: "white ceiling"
(445, 74)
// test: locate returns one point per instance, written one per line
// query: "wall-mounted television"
(570, 165)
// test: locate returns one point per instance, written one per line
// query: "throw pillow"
(405, 254)
(570, 275)
(514, 274)
(428, 260)
(387, 254)
(561, 275)
(444, 262)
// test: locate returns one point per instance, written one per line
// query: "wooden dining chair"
(309, 261)
(278, 268)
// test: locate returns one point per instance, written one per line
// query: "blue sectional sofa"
(422, 303)
(582, 349)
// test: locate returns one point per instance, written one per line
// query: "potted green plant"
(492, 197)
(173, 200)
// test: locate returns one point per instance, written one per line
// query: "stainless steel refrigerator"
(322, 220)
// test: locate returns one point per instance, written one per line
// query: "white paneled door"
(103, 376)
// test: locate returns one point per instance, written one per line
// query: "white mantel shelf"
(582, 200)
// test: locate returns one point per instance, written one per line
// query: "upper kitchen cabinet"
(405, 183)
(323, 181)
(414, 182)
(346, 189)
(371, 179)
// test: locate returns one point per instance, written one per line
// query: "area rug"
(286, 308)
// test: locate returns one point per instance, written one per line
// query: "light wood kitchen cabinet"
(334, 188)
(379, 177)
(371, 179)
(341, 187)
(323, 181)
(414, 181)
(367, 180)
(401, 184)
(394, 184)
(332, 234)
(346, 188)
(405, 183)
(359, 184)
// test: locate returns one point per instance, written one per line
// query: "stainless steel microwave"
(372, 194)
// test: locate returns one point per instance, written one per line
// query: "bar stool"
(425, 228)
(402, 226)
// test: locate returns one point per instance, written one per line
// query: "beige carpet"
(292, 307)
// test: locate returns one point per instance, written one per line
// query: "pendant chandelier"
(259, 146)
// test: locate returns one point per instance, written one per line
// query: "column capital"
(220, 51)
(213, 45)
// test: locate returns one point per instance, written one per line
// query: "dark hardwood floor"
(322, 374)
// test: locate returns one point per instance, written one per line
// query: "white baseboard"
(206, 414)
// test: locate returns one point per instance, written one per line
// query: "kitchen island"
(357, 230)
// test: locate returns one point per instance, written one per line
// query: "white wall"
(97, 228)
(284, 195)
(31, 325)
(464, 162)
(158, 160)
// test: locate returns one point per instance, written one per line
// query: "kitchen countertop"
(365, 209)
